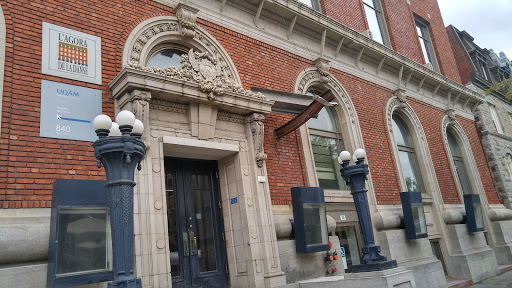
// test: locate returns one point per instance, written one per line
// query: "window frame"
(495, 119)
(461, 169)
(449, 123)
(336, 135)
(409, 150)
(381, 21)
(426, 171)
(426, 43)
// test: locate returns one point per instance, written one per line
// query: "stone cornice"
(184, 91)
(317, 23)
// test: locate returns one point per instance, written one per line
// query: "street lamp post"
(355, 176)
(119, 148)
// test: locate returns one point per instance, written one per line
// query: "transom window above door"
(165, 58)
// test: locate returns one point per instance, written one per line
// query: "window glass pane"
(420, 224)
(325, 154)
(509, 164)
(495, 120)
(315, 224)
(170, 187)
(348, 240)
(463, 176)
(369, 3)
(166, 58)
(454, 147)
(477, 209)
(325, 121)
(205, 237)
(424, 50)
(410, 171)
(84, 241)
(401, 133)
(373, 23)
(307, 2)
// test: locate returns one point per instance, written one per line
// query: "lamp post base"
(375, 266)
(122, 282)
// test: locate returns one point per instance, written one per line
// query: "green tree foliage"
(504, 86)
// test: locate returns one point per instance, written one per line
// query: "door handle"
(185, 244)
(193, 244)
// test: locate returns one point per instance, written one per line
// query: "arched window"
(165, 58)
(407, 156)
(459, 163)
(326, 143)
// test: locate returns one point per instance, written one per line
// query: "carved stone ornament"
(187, 17)
(203, 69)
(400, 94)
(311, 77)
(451, 114)
(140, 108)
(394, 103)
(322, 66)
(257, 129)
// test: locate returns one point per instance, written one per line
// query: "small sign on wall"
(67, 111)
(71, 54)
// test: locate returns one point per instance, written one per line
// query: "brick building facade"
(261, 56)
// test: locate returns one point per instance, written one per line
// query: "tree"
(504, 85)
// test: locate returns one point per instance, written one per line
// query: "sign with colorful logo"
(71, 54)
(67, 111)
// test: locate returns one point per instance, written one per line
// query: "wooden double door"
(195, 224)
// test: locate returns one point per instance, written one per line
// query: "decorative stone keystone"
(187, 17)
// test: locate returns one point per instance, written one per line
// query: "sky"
(488, 21)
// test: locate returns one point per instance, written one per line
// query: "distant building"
(479, 68)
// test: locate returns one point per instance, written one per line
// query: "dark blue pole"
(119, 156)
(372, 259)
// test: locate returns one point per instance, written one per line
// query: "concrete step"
(322, 282)
(458, 283)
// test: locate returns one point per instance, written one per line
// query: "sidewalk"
(500, 281)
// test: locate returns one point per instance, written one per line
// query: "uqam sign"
(71, 54)
(67, 111)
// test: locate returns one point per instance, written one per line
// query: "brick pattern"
(461, 57)
(285, 161)
(430, 118)
(480, 159)
(350, 13)
(29, 164)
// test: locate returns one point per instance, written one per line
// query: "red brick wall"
(404, 38)
(480, 159)
(349, 13)
(461, 57)
(430, 118)
(285, 161)
(370, 102)
(28, 163)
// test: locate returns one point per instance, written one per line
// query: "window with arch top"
(407, 155)
(458, 160)
(326, 143)
(166, 57)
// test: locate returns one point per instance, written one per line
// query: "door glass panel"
(205, 240)
(348, 240)
(170, 187)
